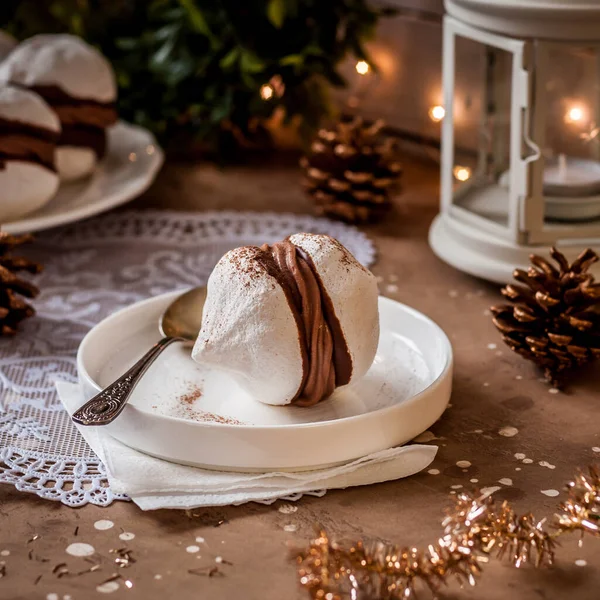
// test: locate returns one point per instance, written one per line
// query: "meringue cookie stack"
(292, 321)
(79, 84)
(29, 131)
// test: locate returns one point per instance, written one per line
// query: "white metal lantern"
(520, 165)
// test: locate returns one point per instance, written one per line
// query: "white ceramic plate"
(131, 163)
(188, 414)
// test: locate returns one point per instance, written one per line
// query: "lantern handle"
(533, 147)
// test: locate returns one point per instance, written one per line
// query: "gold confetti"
(581, 511)
(124, 558)
(475, 529)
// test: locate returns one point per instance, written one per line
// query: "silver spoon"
(179, 323)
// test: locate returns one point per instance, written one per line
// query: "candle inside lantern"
(568, 176)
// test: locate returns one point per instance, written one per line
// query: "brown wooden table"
(492, 389)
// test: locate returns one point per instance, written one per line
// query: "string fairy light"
(575, 114)
(461, 173)
(437, 113)
(266, 91)
(275, 87)
(362, 67)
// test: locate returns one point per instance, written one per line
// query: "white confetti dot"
(200, 539)
(519, 377)
(517, 468)
(580, 562)
(546, 464)
(453, 293)
(5, 553)
(596, 449)
(478, 431)
(67, 597)
(553, 391)
(392, 288)
(219, 559)
(463, 464)
(453, 492)
(126, 536)
(492, 346)
(486, 384)
(103, 524)
(456, 486)
(108, 588)
(434, 471)
(290, 527)
(527, 461)
(520, 456)
(158, 576)
(52, 596)
(508, 431)
(551, 493)
(287, 509)
(192, 549)
(474, 480)
(487, 491)
(80, 549)
(505, 481)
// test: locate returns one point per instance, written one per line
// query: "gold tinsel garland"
(475, 529)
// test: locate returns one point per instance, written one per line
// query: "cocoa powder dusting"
(191, 396)
(188, 411)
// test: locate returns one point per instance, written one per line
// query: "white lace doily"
(91, 270)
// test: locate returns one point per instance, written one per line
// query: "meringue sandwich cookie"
(29, 131)
(292, 321)
(79, 84)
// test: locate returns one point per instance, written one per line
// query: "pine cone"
(351, 171)
(12, 308)
(554, 320)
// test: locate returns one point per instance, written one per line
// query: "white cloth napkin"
(153, 483)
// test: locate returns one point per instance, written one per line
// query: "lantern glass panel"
(482, 129)
(571, 100)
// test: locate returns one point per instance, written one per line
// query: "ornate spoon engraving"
(106, 406)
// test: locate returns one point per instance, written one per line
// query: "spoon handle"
(106, 406)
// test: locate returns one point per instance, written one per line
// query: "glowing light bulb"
(266, 91)
(575, 114)
(437, 113)
(461, 173)
(362, 67)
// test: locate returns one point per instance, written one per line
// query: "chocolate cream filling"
(25, 142)
(83, 121)
(326, 361)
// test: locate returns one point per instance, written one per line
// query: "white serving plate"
(406, 390)
(132, 161)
